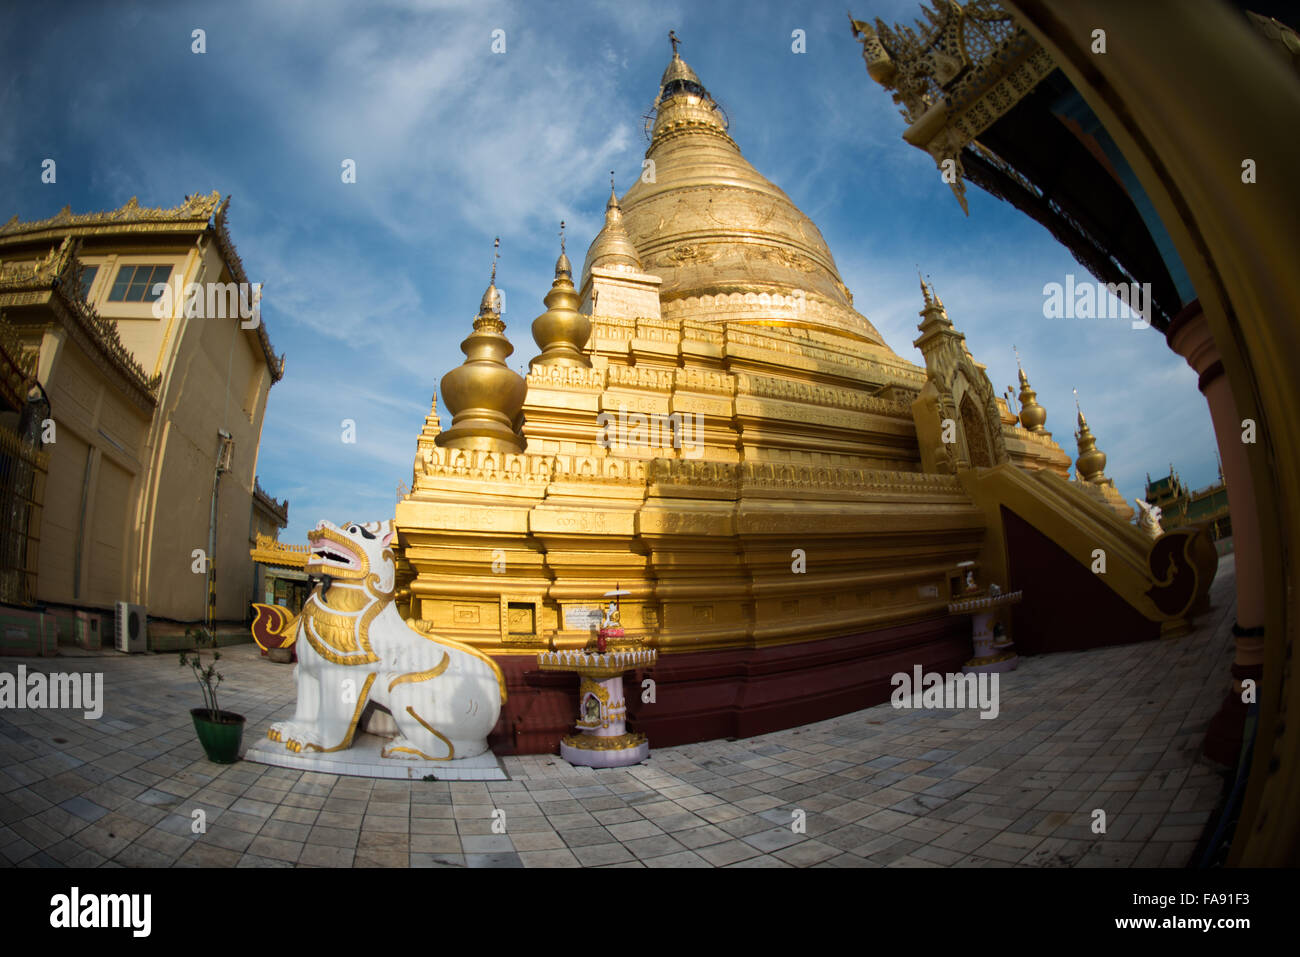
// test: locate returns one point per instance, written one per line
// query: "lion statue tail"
(273, 626)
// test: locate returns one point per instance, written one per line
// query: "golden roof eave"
(194, 214)
(268, 551)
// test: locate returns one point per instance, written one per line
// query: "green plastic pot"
(221, 736)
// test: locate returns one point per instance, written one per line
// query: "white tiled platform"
(364, 760)
(1117, 729)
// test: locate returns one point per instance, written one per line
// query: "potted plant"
(220, 732)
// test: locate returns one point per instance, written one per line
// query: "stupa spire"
(1091, 463)
(490, 304)
(612, 247)
(1032, 415)
(562, 331)
(484, 395)
(683, 103)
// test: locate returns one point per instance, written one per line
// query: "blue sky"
(370, 287)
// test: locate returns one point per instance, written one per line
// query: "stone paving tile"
(1117, 729)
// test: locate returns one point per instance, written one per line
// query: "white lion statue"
(354, 648)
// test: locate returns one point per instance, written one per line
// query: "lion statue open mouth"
(354, 649)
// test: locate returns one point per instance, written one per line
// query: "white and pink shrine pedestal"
(603, 740)
(992, 653)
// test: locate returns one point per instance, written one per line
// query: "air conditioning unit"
(130, 628)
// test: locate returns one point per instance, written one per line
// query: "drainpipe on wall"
(224, 449)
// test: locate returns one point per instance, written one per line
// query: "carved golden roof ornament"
(484, 395)
(954, 76)
(1032, 415)
(562, 331)
(268, 551)
(197, 208)
(933, 312)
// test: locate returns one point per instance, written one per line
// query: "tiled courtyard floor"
(1117, 729)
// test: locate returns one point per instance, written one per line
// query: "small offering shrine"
(602, 739)
(994, 649)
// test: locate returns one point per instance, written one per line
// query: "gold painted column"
(1189, 336)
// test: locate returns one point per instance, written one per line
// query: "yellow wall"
(84, 555)
(148, 487)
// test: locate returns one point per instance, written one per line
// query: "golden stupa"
(712, 425)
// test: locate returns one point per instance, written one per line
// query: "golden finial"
(1091, 463)
(483, 394)
(1032, 415)
(562, 331)
(562, 265)
(672, 38)
(924, 290)
(490, 305)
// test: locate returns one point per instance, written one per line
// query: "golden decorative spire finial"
(672, 38)
(489, 306)
(562, 266)
(611, 247)
(1032, 415)
(561, 331)
(924, 290)
(484, 395)
(1091, 463)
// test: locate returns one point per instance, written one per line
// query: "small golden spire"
(484, 395)
(1032, 415)
(611, 247)
(490, 304)
(562, 265)
(1091, 463)
(672, 38)
(562, 331)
